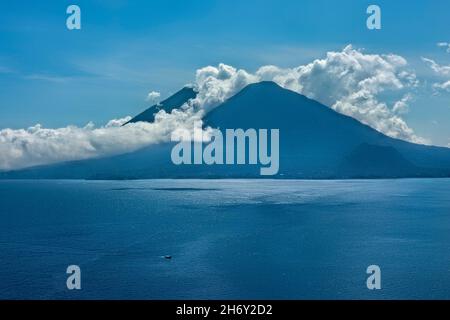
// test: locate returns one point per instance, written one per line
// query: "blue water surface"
(228, 239)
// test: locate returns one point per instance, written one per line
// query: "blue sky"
(125, 49)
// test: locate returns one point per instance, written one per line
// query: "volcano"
(316, 142)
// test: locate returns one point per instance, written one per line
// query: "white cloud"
(443, 71)
(216, 84)
(37, 145)
(439, 69)
(401, 106)
(44, 77)
(4, 69)
(349, 81)
(444, 45)
(442, 86)
(153, 97)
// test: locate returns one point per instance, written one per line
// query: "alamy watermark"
(374, 280)
(73, 21)
(236, 147)
(374, 20)
(74, 279)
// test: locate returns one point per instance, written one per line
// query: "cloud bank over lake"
(372, 88)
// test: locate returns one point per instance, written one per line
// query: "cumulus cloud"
(153, 97)
(349, 81)
(216, 84)
(401, 106)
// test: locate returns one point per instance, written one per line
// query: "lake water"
(229, 239)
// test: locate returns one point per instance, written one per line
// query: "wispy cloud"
(46, 77)
(442, 86)
(439, 69)
(4, 69)
(34, 76)
(445, 45)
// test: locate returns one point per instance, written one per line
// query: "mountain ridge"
(175, 101)
(316, 142)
